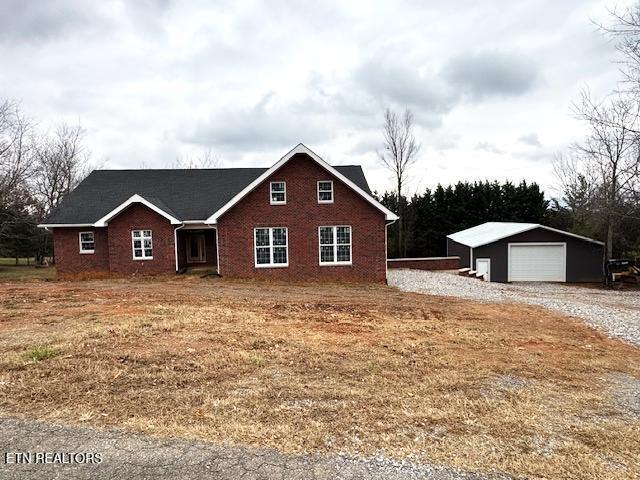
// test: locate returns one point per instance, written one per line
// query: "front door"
(195, 248)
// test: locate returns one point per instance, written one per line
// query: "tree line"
(37, 170)
(432, 215)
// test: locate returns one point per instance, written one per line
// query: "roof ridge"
(173, 169)
(194, 169)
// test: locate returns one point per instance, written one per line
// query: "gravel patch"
(133, 456)
(617, 313)
(625, 390)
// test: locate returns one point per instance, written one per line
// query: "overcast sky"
(490, 83)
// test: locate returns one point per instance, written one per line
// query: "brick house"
(301, 219)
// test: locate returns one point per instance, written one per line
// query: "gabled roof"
(301, 148)
(493, 231)
(184, 194)
(153, 203)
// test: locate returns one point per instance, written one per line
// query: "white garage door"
(537, 262)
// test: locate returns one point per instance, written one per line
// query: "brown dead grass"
(360, 369)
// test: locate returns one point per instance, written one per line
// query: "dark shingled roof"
(185, 194)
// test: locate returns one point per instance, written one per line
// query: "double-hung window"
(142, 244)
(335, 245)
(278, 193)
(325, 191)
(271, 247)
(87, 242)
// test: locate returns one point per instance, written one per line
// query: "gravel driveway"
(615, 312)
(132, 456)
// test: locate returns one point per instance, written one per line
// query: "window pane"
(279, 254)
(137, 252)
(262, 237)
(262, 255)
(326, 254)
(325, 196)
(136, 233)
(137, 244)
(326, 235)
(279, 236)
(147, 243)
(146, 233)
(277, 187)
(148, 253)
(344, 253)
(87, 237)
(343, 234)
(277, 197)
(324, 186)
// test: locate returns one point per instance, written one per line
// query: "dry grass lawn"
(360, 369)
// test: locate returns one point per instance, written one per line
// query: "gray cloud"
(488, 147)
(38, 22)
(265, 124)
(31, 22)
(492, 73)
(530, 139)
(402, 84)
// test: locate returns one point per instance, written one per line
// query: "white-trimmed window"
(335, 245)
(271, 247)
(142, 244)
(87, 242)
(325, 191)
(278, 193)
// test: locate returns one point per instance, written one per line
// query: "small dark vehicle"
(621, 271)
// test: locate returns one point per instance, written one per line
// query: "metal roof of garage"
(493, 231)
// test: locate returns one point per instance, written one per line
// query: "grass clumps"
(40, 353)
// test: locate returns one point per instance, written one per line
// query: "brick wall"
(302, 215)
(139, 217)
(428, 263)
(70, 262)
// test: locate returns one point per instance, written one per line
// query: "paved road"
(130, 456)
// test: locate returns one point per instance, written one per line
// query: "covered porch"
(196, 248)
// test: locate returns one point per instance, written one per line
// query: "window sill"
(335, 264)
(142, 258)
(278, 203)
(272, 265)
(87, 252)
(325, 201)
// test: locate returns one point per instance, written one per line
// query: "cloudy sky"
(490, 83)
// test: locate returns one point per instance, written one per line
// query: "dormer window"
(278, 193)
(325, 191)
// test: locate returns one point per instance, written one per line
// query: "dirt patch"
(324, 368)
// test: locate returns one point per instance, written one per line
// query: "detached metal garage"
(527, 252)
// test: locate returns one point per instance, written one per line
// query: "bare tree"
(62, 163)
(16, 149)
(605, 166)
(205, 159)
(624, 28)
(399, 154)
